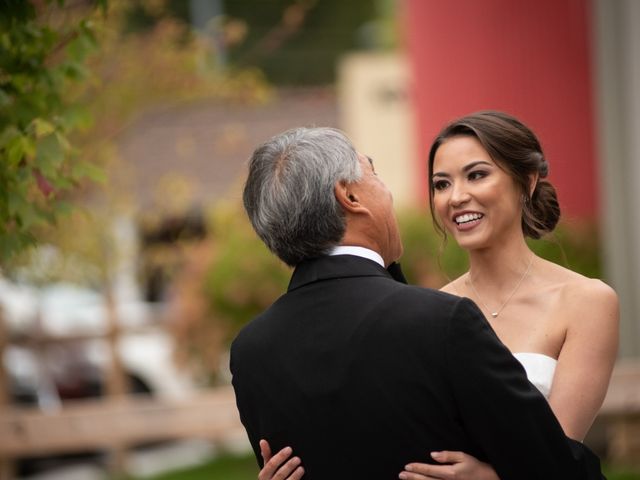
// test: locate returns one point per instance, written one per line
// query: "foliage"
(166, 64)
(282, 35)
(43, 51)
(163, 65)
(244, 278)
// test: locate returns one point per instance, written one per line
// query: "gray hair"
(289, 193)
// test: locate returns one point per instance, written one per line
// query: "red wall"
(530, 58)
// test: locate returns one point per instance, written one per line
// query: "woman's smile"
(466, 221)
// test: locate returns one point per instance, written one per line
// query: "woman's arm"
(587, 356)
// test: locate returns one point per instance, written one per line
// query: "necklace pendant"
(494, 314)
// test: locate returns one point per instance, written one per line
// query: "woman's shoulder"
(584, 295)
(455, 287)
(575, 284)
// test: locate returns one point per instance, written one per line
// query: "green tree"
(298, 42)
(43, 50)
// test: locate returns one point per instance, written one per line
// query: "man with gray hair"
(357, 372)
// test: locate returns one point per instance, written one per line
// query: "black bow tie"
(396, 272)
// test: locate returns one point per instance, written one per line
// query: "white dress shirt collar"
(359, 252)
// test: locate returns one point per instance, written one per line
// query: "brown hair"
(515, 148)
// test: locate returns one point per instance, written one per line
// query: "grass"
(245, 468)
(622, 474)
(222, 468)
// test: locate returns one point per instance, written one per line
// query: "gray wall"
(617, 73)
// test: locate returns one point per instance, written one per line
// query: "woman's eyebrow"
(465, 169)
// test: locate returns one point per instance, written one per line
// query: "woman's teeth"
(468, 217)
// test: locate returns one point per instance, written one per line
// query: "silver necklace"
(494, 314)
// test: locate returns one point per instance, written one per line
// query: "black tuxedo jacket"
(361, 374)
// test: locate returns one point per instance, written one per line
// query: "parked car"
(58, 351)
(66, 368)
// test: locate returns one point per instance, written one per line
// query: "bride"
(489, 191)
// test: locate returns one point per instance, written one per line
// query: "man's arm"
(504, 414)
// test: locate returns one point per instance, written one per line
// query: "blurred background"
(127, 263)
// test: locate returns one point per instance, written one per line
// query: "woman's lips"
(465, 221)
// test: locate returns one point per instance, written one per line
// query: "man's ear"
(347, 197)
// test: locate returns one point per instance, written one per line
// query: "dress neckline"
(515, 354)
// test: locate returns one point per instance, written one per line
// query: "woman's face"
(476, 200)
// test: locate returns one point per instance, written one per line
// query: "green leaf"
(8, 134)
(42, 128)
(23, 83)
(75, 71)
(11, 243)
(83, 169)
(18, 148)
(50, 155)
(25, 213)
(64, 142)
(61, 183)
(5, 99)
(103, 5)
(63, 208)
(80, 46)
(77, 117)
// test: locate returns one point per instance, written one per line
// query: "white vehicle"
(72, 360)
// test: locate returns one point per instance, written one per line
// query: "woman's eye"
(440, 185)
(477, 175)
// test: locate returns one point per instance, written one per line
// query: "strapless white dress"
(540, 370)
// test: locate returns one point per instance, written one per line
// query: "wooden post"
(116, 381)
(6, 463)
(624, 440)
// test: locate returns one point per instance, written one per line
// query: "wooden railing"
(118, 422)
(620, 414)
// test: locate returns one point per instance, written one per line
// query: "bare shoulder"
(586, 297)
(589, 291)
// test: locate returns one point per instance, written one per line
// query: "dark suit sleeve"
(505, 415)
(245, 409)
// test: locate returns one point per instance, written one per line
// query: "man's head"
(308, 190)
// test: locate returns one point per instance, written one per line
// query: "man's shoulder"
(380, 300)
(254, 326)
(422, 296)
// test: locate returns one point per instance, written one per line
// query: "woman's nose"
(459, 196)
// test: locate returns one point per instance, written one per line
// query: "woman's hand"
(277, 467)
(458, 466)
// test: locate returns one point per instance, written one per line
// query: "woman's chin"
(468, 241)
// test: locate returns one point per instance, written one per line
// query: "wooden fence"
(620, 414)
(117, 423)
(105, 424)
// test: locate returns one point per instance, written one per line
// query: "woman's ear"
(533, 181)
(347, 198)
